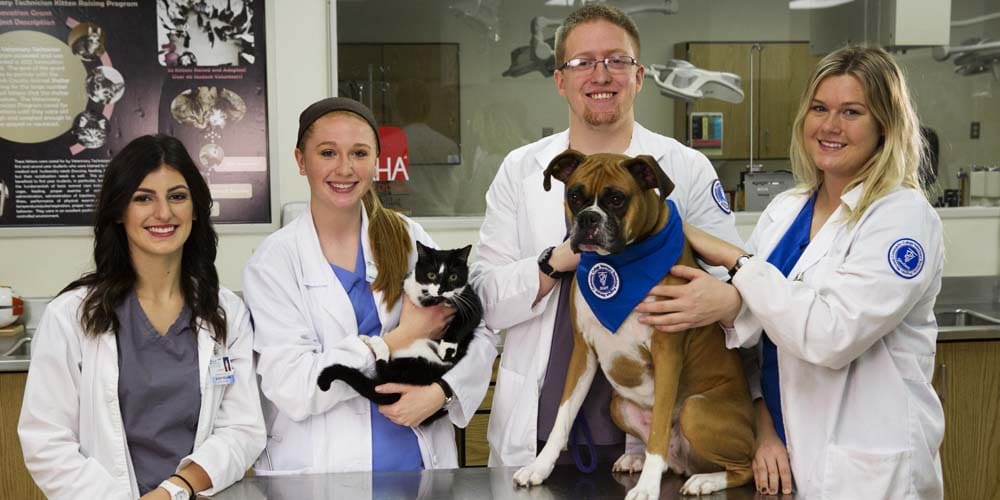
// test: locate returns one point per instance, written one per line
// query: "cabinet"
(967, 379)
(780, 74)
(14, 479)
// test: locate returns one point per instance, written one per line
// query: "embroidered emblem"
(906, 257)
(603, 281)
(719, 195)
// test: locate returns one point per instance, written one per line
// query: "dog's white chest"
(630, 341)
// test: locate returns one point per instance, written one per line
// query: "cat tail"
(357, 380)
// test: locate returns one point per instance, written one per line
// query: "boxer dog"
(683, 394)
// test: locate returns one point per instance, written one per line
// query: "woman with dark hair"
(128, 393)
(328, 289)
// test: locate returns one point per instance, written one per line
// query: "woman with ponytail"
(317, 286)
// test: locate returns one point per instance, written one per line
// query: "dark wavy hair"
(114, 277)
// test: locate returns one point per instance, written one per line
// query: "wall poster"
(79, 79)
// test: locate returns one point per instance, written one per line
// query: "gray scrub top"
(159, 391)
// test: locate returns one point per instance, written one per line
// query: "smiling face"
(159, 215)
(598, 98)
(839, 130)
(338, 156)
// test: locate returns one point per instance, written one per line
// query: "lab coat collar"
(316, 268)
(853, 196)
(316, 272)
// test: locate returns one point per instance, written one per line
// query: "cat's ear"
(463, 253)
(421, 250)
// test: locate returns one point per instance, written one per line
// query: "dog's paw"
(648, 487)
(644, 492)
(704, 484)
(629, 462)
(533, 474)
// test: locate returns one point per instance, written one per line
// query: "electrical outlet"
(974, 131)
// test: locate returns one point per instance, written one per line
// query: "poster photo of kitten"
(205, 33)
(90, 129)
(439, 277)
(105, 85)
(86, 40)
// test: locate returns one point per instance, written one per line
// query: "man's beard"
(602, 118)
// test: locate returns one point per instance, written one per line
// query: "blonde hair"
(897, 158)
(388, 234)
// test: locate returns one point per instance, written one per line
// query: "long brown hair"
(897, 159)
(388, 233)
(114, 276)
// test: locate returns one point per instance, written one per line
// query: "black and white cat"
(440, 276)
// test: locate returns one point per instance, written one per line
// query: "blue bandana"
(613, 285)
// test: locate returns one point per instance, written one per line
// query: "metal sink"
(965, 317)
(20, 348)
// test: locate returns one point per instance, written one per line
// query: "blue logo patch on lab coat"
(603, 281)
(906, 257)
(719, 195)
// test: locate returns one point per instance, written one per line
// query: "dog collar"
(613, 285)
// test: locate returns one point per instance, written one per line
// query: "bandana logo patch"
(719, 195)
(603, 281)
(906, 258)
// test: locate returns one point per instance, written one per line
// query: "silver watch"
(176, 492)
(740, 262)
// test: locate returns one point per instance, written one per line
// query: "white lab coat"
(856, 346)
(522, 219)
(71, 428)
(304, 322)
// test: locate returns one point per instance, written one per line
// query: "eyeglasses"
(614, 64)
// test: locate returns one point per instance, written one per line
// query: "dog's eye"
(453, 277)
(616, 200)
(432, 276)
(574, 196)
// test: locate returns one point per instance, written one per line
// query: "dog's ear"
(649, 175)
(562, 166)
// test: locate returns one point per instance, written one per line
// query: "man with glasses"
(523, 264)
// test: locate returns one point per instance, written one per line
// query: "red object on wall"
(394, 159)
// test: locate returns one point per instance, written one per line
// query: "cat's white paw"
(704, 484)
(377, 345)
(629, 462)
(533, 474)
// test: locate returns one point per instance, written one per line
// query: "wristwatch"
(449, 394)
(740, 262)
(547, 269)
(176, 492)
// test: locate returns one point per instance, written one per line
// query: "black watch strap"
(547, 269)
(740, 262)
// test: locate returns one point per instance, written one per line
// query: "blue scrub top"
(394, 447)
(784, 257)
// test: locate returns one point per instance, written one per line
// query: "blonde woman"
(317, 286)
(837, 286)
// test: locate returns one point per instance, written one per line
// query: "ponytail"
(390, 241)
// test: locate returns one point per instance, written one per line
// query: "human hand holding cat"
(416, 402)
(418, 323)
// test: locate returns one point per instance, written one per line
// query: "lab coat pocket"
(509, 393)
(852, 473)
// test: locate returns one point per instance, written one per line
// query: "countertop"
(469, 483)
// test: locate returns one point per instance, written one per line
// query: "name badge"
(221, 370)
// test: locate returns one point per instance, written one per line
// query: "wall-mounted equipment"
(679, 79)
(893, 24)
